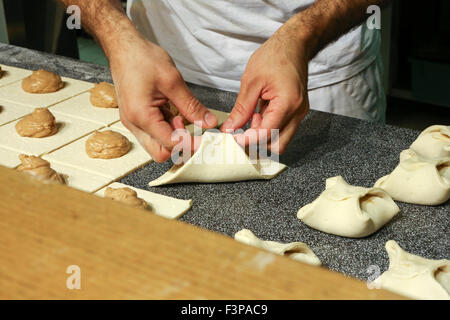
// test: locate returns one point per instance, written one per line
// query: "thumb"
(244, 107)
(189, 106)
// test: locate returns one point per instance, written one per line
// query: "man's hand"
(276, 75)
(145, 78)
(145, 81)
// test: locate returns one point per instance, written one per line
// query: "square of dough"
(14, 93)
(12, 74)
(70, 129)
(74, 155)
(9, 158)
(80, 179)
(81, 107)
(10, 111)
(164, 206)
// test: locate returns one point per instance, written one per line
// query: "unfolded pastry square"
(9, 158)
(295, 250)
(164, 206)
(12, 74)
(80, 107)
(219, 158)
(14, 93)
(74, 155)
(415, 277)
(69, 129)
(418, 180)
(80, 179)
(10, 111)
(348, 211)
(433, 142)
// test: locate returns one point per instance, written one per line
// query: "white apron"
(211, 41)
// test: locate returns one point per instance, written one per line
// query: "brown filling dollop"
(39, 124)
(1, 72)
(107, 145)
(103, 95)
(39, 168)
(126, 195)
(42, 81)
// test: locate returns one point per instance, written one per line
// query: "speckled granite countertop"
(325, 145)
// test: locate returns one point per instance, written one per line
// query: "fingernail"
(210, 119)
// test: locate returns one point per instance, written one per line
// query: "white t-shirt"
(212, 40)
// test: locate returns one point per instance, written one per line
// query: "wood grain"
(127, 253)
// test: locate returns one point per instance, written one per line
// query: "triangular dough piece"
(219, 159)
(413, 276)
(433, 142)
(418, 180)
(295, 250)
(348, 211)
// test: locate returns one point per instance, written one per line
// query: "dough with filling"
(220, 159)
(347, 210)
(69, 129)
(164, 206)
(418, 180)
(103, 95)
(42, 81)
(127, 196)
(39, 168)
(107, 144)
(295, 250)
(80, 107)
(75, 156)
(415, 277)
(39, 124)
(433, 142)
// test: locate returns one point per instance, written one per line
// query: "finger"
(243, 108)
(183, 99)
(156, 150)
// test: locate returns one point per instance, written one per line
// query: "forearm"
(106, 21)
(327, 20)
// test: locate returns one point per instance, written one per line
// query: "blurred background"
(416, 51)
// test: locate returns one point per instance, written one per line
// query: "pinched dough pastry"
(348, 211)
(103, 95)
(295, 250)
(219, 159)
(433, 142)
(42, 81)
(39, 168)
(126, 195)
(413, 276)
(107, 144)
(418, 180)
(39, 124)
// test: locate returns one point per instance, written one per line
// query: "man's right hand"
(145, 78)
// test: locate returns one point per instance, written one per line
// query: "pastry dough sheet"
(74, 155)
(80, 179)
(81, 107)
(70, 129)
(164, 206)
(9, 158)
(14, 93)
(10, 111)
(12, 74)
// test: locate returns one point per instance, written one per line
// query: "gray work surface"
(325, 145)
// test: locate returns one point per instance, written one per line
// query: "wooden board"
(128, 253)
